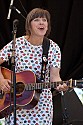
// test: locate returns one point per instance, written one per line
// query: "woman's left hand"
(55, 77)
(63, 87)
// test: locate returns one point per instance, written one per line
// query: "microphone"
(10, 8)
(15, 24)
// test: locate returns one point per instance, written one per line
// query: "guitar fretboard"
(70, 83)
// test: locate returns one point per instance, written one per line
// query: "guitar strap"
(45, 47)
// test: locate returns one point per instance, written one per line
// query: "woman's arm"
(55, 76)
(4, 86)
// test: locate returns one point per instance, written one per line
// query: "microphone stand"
(13, 75)
(65, 114)
(18, 11)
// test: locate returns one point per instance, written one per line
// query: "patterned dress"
(29, 57)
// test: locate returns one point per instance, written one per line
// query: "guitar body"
(24, 98)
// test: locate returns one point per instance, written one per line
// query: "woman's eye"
(36, 19)
(39, 19)
(44, 19)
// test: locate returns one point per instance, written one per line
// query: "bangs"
(40, 14)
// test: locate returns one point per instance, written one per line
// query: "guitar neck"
(37, 86)
(70, 83)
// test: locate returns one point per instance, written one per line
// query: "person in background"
(28, 56)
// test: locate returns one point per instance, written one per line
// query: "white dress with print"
(29, 57)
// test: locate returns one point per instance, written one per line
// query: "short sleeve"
(5, 52)
(54, 55)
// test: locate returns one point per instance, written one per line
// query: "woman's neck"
(35, 40)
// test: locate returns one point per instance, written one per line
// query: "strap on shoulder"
(45, 46)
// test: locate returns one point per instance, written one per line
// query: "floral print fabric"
(29, 57)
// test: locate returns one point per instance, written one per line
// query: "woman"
(28, 56)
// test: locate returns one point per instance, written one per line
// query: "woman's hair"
(35, 13)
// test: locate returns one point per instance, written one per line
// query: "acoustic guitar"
(27, 95)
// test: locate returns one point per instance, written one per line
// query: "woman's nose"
(41, 21)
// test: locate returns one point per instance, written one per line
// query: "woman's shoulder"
(53, 43)
(20, 38)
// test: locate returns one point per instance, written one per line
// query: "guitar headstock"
(76, 83)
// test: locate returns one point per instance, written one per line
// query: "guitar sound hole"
(19, 87)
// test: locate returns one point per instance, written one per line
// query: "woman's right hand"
(4, 85)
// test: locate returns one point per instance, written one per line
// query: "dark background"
(67, 29)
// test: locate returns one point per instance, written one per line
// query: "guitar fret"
(39, 85)
(70, 82)
(53, 85)
(29, 87)
(75, 82)
(49, 85)
(46, 85)
(42, 85)
(35, 85)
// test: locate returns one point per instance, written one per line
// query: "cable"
(23, 7)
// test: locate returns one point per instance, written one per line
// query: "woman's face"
(39, 26)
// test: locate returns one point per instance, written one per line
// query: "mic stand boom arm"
(18, 11)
